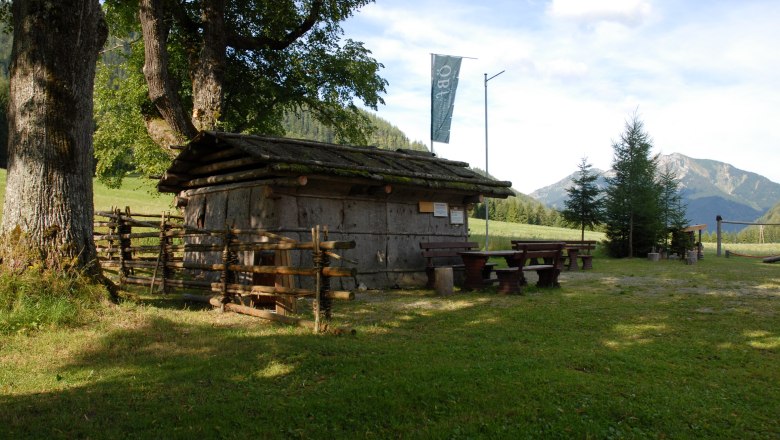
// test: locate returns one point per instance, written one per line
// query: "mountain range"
(708, 187)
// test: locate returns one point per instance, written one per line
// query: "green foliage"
(305, 91)
(122, 144)
(303, 125)
(519, 209)
(632, 211)
(319, 71)
(584, 206)
(769, 233)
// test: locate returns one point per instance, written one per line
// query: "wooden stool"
(587, 261)
(508, 280)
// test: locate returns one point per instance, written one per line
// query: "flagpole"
(487, 174)
(433, 56)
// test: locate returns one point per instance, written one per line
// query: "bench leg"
(509, 282)
(430, 272)
(548, 278)
(587, 262)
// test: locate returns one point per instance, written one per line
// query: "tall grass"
(37, 299)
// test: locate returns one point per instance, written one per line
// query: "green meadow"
(630, 349)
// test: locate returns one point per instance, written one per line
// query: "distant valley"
(709, 188)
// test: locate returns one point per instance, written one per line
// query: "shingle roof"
(247, 157)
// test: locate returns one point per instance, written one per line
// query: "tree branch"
(242, 42)
(161, 90)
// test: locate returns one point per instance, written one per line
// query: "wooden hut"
(386, 201)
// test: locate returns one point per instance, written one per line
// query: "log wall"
(387, 227)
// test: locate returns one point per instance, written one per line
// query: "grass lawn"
(631, 349)
(140, 194)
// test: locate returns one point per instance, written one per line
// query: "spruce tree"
(583, 207)
(673, 211)
(633, 223)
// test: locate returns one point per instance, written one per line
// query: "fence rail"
(246, 268)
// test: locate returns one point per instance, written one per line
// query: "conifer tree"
(633, 223)
(673, 211)
(584, 207)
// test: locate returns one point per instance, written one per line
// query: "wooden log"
(443, 283)
(264, 314)
(110, 214)
(276, 270)
(216, 167)
(221, 179)
(99, 236)
(245, 289)
(772, 259)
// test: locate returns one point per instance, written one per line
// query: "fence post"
(719, 219)
(124, 229)
(326, 301)
(317, 259)
(228, 258)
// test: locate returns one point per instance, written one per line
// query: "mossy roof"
(213, 153)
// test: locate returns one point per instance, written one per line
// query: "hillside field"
(139, 193)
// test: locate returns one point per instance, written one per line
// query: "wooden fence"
(245, 268)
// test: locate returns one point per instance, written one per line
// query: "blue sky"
(704, 76)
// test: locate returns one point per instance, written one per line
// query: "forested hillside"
(301, 125)
(386, 135)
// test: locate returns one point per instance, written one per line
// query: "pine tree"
(633, 224)
(584, 207)
(673, 211)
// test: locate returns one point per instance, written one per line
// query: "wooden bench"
(575, 250)
(545, 258)
(579, 249)
(436, 251)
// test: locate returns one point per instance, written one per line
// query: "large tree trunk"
(50, 151)
(208, 68)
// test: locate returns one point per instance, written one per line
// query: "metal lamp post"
(487, 200)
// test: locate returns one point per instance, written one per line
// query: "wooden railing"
(246, 268)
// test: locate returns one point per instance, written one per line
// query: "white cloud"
(704, 80)
(621, 11)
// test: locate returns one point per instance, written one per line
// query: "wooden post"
(719, 220)
(316, 256)
(228, 276)
(124, 230)
(165, 253)
(160, 259)
(326, 303)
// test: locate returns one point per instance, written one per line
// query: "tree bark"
(208, 71)
(50, 150)
(162, 93)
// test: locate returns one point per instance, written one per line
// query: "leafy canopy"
(277, 56)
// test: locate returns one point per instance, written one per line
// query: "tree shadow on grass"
(480, 365)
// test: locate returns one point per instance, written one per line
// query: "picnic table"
(575, 249)
(474, 265)
(511, 278)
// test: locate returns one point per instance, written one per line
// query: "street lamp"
(487, 200)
